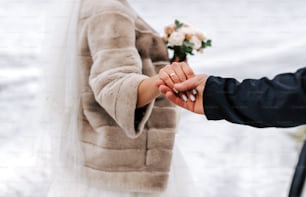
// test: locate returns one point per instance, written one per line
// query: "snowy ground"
(251, 38)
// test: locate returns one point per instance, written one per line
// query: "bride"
(112, 133)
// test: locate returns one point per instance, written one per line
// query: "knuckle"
(162, 70)
(163, 76)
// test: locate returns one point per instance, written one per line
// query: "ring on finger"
(172, 74)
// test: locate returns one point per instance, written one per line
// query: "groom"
(277, 102)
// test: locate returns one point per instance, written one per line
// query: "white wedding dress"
(180, 184)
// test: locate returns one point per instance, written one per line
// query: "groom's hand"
(197, 82)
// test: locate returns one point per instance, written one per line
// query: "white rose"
(186, 30)
(196, 42)
(176, 39)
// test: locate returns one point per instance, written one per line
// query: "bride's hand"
(174, 73)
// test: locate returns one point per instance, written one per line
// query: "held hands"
(182, 87)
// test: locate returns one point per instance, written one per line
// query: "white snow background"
(251, 39)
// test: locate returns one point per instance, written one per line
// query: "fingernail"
(184, 97)
(194, 92)
(175, 90)
(192, 98)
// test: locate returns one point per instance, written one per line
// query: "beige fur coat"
(125, 148)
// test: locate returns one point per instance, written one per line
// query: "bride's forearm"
(147, 91)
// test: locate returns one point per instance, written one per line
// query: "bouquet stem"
(178, 55)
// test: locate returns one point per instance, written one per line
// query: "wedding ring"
(172, 74)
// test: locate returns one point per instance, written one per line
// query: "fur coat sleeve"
(117, 68)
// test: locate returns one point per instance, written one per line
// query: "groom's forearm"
(280, 102)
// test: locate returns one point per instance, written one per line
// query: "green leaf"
(208, 43)
(188, 43)
(178, 24)
(203, 45)
(188, 50)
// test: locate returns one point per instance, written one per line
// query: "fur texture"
(118, 50)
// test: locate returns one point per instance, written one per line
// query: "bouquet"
(184, 40)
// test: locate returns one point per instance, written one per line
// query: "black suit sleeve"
(280, 102)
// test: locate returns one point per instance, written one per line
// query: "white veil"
(59, 145)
